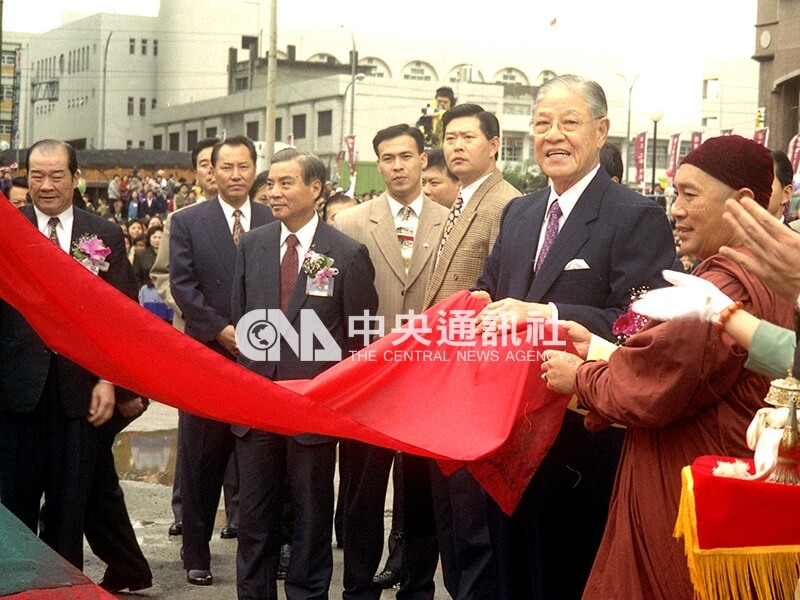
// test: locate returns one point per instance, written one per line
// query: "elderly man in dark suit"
(50, 407)
(577, 251)
(202, 252)
(269, 275)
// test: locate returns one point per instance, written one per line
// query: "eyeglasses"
(542, 126)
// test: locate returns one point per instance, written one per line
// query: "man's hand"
(559, 369)
(579, 336)
(507, 314)
(102, 404)
(132, 407)
(227, 338)
(775, 248)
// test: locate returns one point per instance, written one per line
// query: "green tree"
(527, 177)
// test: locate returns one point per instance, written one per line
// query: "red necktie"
(289, 266)
(550, 234)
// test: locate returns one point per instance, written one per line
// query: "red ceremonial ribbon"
(496, 416)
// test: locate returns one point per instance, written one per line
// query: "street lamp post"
(105, 91)
(351, 87)
(628, 132)
(655, 116)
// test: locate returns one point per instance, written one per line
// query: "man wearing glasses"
(576, 251)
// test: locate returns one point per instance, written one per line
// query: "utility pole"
(272, 78)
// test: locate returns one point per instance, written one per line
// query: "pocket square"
(576, 264)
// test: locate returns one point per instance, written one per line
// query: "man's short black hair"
(236, 140)
(389, 133)
(611, 160)
(209, 142)
(72, 156)
(489, 124)
(436, 161)
(20, 182)
(783, 167)
(447, 92)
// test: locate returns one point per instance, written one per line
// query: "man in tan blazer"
(471, 143)
(401, 229)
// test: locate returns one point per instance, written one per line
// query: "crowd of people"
(596, 519)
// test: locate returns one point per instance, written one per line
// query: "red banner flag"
(674, 147)
(639, 143)
(350, 143)
(377, 396)
(794, 153)
(761, 136)
(697, 139)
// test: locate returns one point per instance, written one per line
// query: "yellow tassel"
(763, 573)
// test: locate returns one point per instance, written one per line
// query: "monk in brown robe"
(680, 387)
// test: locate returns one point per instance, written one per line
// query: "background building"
(778, 53)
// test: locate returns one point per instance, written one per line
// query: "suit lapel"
(384, 233)
(270, 253)
(219, 233)
(570, 240)
(426, 239)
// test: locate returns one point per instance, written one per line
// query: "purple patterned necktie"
(289, 266)
(455, 212)
(550, 234)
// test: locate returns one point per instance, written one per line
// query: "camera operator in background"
(430, 123)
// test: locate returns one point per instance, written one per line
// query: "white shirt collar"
(228, 210)
(395, 207)
(469, 191)
(305, 235)
(570, 197)
(64, 229)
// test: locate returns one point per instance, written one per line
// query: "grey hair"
(311, 167)
(589, 90)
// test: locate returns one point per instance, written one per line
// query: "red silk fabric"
(497, 416)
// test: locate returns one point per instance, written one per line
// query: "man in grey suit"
(401, 230)
(270, 276)
(471, 143)
(202, 261)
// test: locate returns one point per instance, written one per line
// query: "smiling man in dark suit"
(202, 249)
(576, 250)
(50, 407)
(269, 276)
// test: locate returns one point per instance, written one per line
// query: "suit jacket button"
(402, 292)
(455, 277)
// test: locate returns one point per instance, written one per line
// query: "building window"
(191, 139)
(131, 46)
(141, 144)
(279, 128)
(155, 47)
(512, 148)
(324, 123)
(710, 122)
(211, 132)
(240, 84)
(252, 130)
(128, 144)
(144, 47)
(174, 141)
(153, 104)
(9, 59)
(130, 106)
(142, 106)
(299, 126)
(710, 89)
(157, 142)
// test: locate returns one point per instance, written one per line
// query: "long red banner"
(489, 407)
